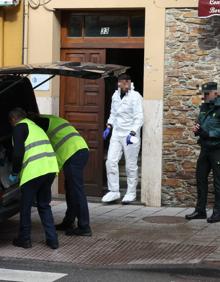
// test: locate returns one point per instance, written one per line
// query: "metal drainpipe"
(25, 32)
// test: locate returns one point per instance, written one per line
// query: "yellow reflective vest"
(65, 139)
(39, 157)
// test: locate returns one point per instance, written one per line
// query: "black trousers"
(77, 206)
(208, 160)
(40, 189)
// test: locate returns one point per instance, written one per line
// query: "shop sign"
(209, 8)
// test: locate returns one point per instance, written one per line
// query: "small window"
(106, 26)
(75, 26)
(137, 26)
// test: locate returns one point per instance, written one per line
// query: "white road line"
(29, 276)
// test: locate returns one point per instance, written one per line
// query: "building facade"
(176, 51)
(11, 35)
(191, 57)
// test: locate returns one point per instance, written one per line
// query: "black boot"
(196, 215)
(64, 225)
(215, 217)
(79, 231)
(53, 244)
(26, 244)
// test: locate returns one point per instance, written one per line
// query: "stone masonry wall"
(192, 56)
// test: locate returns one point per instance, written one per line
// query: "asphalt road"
(36, 271)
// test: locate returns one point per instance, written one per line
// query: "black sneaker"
(64, 225)
(79, 232)
(26, 244)
(53, 244)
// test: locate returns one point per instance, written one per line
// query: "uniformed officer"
(35, 166)
(208, 130)
(72, 155)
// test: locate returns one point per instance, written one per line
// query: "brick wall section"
(192, 56)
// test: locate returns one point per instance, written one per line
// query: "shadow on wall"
(210, 37)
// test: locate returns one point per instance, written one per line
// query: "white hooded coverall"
(126, 116)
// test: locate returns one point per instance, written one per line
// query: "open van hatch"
(75, 69)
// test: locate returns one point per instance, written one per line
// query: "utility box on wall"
(9, 3)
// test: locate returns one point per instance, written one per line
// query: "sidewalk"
(125, 236)
(156, 235)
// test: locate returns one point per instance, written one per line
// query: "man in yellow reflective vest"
(34, 165)
(72, 156)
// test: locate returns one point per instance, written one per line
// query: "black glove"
(203, 133)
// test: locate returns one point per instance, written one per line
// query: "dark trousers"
(77, 206)
(40, 189)
(208, 160)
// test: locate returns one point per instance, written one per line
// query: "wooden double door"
(82, 103)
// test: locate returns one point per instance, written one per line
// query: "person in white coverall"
(125, 122)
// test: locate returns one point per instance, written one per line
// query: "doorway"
(108, 37)
(135, 59)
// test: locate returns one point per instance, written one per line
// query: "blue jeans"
(77, 206)
(40, 189)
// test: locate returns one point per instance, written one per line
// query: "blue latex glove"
(106, 133)
(13, 179)
(128, 139)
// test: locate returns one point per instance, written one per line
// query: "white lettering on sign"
(214, 2)
(213, 10)
(104, 30)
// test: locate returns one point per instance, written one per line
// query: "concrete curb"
(203, 269)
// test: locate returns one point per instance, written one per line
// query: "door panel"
(82, 103)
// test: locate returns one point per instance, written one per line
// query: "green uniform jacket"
(65, 139)
(209, 120)
(39, 157)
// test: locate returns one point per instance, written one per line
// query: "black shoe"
(64, 225)
(53, 244)
(26, 244)
(196, 215)
(34, 204)
(79, 232)
(215, 217)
